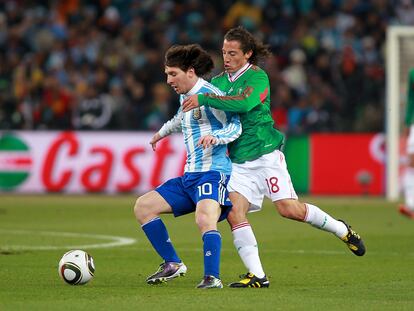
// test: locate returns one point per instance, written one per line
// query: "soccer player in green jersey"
(259, 167)
(407, 209)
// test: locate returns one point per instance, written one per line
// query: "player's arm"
(230, 132)
(169, 127)
(253, 94)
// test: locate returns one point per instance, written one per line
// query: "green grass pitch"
(308, 269)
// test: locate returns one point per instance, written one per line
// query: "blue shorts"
(183, 193)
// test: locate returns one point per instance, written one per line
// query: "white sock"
(321, 220)
(246, 245)
(409, 188)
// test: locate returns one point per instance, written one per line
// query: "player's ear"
(191, 71)
(248, 54)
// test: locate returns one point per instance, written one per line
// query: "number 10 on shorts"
(205, 189)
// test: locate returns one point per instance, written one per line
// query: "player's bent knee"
(138, 210)
(201, 217)
(142, 209)
(205, 223)
(136, 207)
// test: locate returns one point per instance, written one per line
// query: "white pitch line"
(299, 252)
(115, 240)
(121, 241)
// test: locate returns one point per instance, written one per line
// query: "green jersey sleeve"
(246, 98)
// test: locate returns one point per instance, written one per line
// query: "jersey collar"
(234, 76)
(194, 90)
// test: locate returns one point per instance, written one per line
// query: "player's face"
(233, 56)
(181, 81)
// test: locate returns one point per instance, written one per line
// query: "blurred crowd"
(98, 65)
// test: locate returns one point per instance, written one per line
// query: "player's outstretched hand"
(207, 141)
(154, 140)
(190, 103)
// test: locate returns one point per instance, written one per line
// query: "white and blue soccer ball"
(76, 267)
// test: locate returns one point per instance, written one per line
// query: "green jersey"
(248, 94)
(409, 114)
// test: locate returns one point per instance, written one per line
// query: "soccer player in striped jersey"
(259, 166)
(203, 187)
(407, 209)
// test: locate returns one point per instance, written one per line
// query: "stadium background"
(98, 66)
(95, 68)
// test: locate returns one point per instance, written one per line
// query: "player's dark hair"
(248, 43)
(189, 56)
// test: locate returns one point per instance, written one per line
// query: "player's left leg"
(276, 178)
(313, 215)
(207, 214)
(168, 198)
(407, 209)
(147, 210)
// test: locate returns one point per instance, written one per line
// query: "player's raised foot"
(210, 281)
(353, 241)
(167, 271)
(250, 280)
(406, 211)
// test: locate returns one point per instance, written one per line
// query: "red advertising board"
(113, 162)
(82, 162)
(347, 164)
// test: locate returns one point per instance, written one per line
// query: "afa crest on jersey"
(197, 113)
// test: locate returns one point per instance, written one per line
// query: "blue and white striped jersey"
(200, 122)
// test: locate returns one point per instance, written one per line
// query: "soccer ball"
(76, 267)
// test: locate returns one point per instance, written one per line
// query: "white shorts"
(410, 141)
(266, 176)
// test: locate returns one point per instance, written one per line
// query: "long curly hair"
(248, 43)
